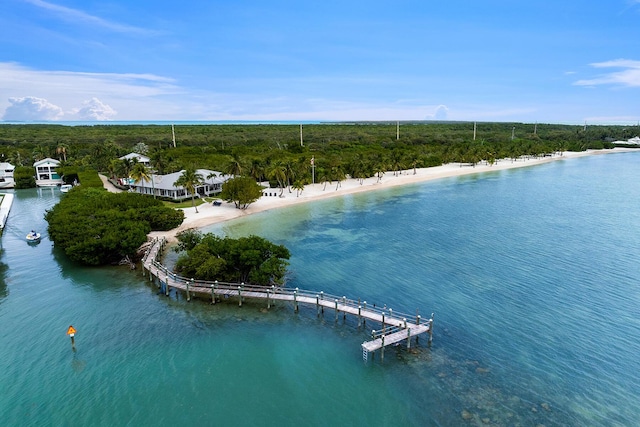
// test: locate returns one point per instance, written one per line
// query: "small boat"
(33, 237)
(64, 188)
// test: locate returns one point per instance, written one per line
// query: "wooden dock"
(394, 326)
(6, 200)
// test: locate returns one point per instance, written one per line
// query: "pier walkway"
(6, 200)
(394, 326)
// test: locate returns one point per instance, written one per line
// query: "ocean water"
(532, 275)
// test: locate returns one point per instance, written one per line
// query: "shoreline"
(208, 214)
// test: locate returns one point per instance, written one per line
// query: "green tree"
(277, 172)
(256, 169)
(95, 227)
(40, 152)
(242, 191)
(126, 166)
(298, 185)
(252, 259)
(62, 149)
(142, 174)
(235, 166)
(190, 179)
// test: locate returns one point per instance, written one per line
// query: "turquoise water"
(532, 275)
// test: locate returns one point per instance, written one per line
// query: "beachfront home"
(137, 157)
(46, 175)
(6, 175)
(164, 185)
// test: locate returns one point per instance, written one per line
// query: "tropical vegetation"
(275, 153)
(241, 190)
(95, 227)
(251, 260)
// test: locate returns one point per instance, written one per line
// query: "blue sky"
(494, 60)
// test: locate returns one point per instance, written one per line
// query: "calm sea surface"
(532, 274)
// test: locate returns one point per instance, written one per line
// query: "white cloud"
(77, 16)
(134, 96)
(629, 76)
(441, 112)
(94, 110)
(30, 108)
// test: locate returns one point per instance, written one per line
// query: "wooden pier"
(394, 326)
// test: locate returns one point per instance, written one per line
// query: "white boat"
(33, 237)
(64, 188)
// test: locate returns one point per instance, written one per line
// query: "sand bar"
(208, 214)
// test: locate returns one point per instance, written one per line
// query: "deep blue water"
(532, 275)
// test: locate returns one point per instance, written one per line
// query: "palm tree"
(142, 174)
(396, 162)
(112, 167)
(190, 179)
(40, 152)
(62, 149)
(256, 169)
(338, 174)
(324, 178)
(159, 161)
(126, 166)
(278, 173)
(298, 186)
(234, 168)
(290, 172)
(379, 169)
(15, 158)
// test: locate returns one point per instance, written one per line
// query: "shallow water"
(531, 274)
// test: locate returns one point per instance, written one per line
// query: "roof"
(139, 157)
(5, 165)
(166, 182)
(46, 162)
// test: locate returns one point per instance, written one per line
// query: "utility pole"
(173, 133)
(397, 130)
(313, 170)
(475, 124)
(301, 143)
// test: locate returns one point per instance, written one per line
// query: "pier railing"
(395, 326)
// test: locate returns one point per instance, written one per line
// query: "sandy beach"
(208, 214)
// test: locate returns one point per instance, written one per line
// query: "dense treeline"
(98, 145)
(282, 153)
(95, 227)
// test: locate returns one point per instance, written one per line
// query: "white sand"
(208, 214)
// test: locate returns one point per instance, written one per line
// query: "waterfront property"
(165, 185)
(46, 175)
(6, 175)
(394, 326)
(140, 158)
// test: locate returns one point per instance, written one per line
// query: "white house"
(46, 175)
(164, 185)
(6, 175)
(139, 157)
